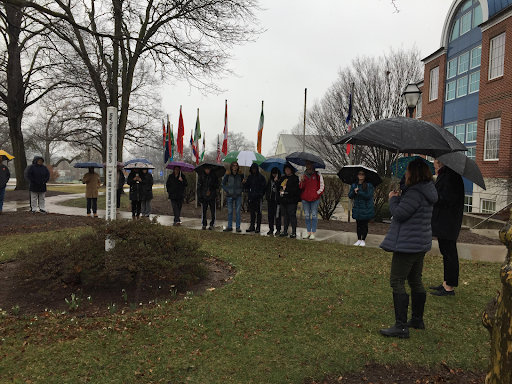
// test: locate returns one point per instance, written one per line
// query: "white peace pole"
(111, 171)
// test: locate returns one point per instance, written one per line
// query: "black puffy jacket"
(38, 176)
(291, 192)
(175, 187)
(147, 186)
(5, 175)
(207, 183)
(136, 187)
(255, 184)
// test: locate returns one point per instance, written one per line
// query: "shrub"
(144, 251)
(381, 196)
(331, 197)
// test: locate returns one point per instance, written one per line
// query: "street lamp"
(411, 96)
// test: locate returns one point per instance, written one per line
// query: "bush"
(331, 197)
(381, 197)
(144, 251)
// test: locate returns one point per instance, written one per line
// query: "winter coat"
(38, 176)
(410, 230)
(291, 193)
(136, 186)
(92, 183)
(232, 184)
(255, 184)
(121, 180)
(272, 191)
(5, 175)
(175, 187)
(147, 186)
(449, 209)
(207, 183)
(312, 186)
(362, 208)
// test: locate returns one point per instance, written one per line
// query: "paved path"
(475, 252)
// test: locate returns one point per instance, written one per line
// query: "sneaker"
(293, 236)
(88, 215)
(42, 211)
(270, 233)
(238, 230)
(204, 227)
(174, 224)
(250, 229)
(358, 242)
(95, 215)
(306, 236)
(443, 292)
(211, 228)
(362, 243)
(227, 230)
(312, 237)
(283, 234)
(257, 230)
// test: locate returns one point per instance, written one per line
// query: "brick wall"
(433, 110)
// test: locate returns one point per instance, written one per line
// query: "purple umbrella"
(185, 167)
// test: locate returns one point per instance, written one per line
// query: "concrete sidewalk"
(475, 252)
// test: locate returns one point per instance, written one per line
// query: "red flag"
(225, 142)
(181, 133)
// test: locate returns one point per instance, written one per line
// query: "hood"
(255, 167)
(37, 158)
(426, 189)
(274, 170)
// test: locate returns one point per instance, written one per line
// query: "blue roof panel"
(497, 5)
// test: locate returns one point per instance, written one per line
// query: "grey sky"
(304, 45)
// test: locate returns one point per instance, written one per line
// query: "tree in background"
(238, 142)
(334, 191)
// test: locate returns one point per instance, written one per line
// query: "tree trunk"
(497, 318)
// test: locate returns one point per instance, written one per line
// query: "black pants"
(448, 249)
(362, 229)
(204, 206)
(94, 202)
(274, 214)
(136, 207)
(119, 193)
(407, 266)
(176, 209)
(289, 212)
(255, 208)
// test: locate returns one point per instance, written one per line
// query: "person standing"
(38, 175)
(256, 185)
(136, 191)
(92, 183)
(362, 208)
(272, 197)
(207, 186)
(312, 188)
(232, 185)
(5, 175)
(121, 179)
(176, 185)
(289, 197)
(147, 192)
(446, 223)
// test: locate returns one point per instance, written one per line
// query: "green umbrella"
(403, 162)
(244, 158)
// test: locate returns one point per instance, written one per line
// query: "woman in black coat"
(289, 197)
(446, 222)
(136, 191)
(147, 195)
(176, 185)
(272, 196)
(207, 185)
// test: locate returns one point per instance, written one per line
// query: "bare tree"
(238, 142)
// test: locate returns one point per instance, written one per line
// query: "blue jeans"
(2, 194)
(238, 202)
(311, 211)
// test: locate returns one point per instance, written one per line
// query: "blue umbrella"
(88, 164)
(137, 161)
(268, 164)
(403, 162)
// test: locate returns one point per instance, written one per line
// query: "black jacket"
(121, 179)
(449, 209)
(291, 193)
(256, 185)
(272, 192)
(207, 183)
(175, 187)
(136, 187)
(38, 176)
(5, 175)
(147, 186)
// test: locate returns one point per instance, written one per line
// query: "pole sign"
(111, 170)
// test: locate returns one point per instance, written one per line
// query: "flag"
(204, 147)
(168, 140)
(181, 133)
(197, 136)
(349, 122)
(225, 142)
(163, 124)
(172, 145)
(192, 146)
(166, 143)
(260, 129)
(218, 150)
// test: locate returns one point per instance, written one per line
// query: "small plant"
(125, 295)
(133, 306)
(74, 304)
(112, 308)
(16, 310)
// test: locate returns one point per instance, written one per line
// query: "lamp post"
(411, 96)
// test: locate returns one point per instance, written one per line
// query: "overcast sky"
(305, 44)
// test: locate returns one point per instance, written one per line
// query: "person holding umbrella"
(5, 175)
(147, 192)
(207, 186)
(272, 196)
(289, 197)
(255, 184)
(38, 175)
(446, 223)
(232, 185)
(121, 179)
(176, 185)
(136, 191)
(92, 183)
(312, 188)
(362, 208)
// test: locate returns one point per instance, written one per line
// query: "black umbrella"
(300, 158)
(464, 166)
(88, 164)
(217, 169)
(406, 135)
(348, 174)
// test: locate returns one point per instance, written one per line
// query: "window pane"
(455, 30)
(465, 23)
(471, 153)
(434, 83)
(418, 106)
(466, 5)
(462, 86)
(463, 62)
(477, 16)
(452, 68)
(492, 139)
(487, 206)
(474, 82)
(468, 203)
(476, 55)
(471, 132)
(450, 91)
(449, 129)
(497, 56)
(459, 132)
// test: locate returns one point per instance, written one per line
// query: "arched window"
(468, 16)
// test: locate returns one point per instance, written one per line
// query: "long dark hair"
(365, 183)
(418, 172)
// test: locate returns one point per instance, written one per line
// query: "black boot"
(417, 307)
(257, 229)
(400, 329)
(250, 229)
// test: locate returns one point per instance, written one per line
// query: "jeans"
(448, 249)
(2, 194)
(311, 213)
(204, 208)
(255, 206)
(237, 201)
(290, 217)
(146, 208)
(176, 209)
(94, 202)
(407, 266)
(37, 200)
(362, 229)
(274, 213)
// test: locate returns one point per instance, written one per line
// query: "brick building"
(467, 88)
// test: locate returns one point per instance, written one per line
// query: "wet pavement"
(475, 252)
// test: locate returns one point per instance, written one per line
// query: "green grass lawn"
(296, 309)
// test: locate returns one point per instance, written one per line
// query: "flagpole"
(304, 130)
(351, 154)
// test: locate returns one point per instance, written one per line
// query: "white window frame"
(473, 154)
(497, 56)
(454, 61)
(454, 83)
(468, 203)
(473, 132)
(487, 209)
(459, 81)
(486, 140)
(419, 106)
(449, 129)
(459, 71)
(434, 84)
(472, 56)
(474, 82)
(462, 24)
(460, 129)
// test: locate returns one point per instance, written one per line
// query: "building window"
(449, 129)
(471, 153)
(474, 82)
(497, 56)
(434, 83)
(487, 206)
(455, 30)
(476, 55)
(465, 23)
(459, 132)
(492, 139)
(450, 90)
(466, 5)
(463, 62)
(468, 203)
(471, 132)
(462, 86)
(477, 16)
(452, 68)
(418, 106)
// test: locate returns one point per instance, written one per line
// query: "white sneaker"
(312, 237)
(362, 243)
(358, 242)
(306, 236)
